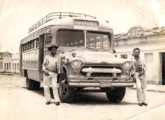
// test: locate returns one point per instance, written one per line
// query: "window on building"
(5, 66)
(9, 66)
(17, 66)
(148, 57)
(1, 64)
(13, 66)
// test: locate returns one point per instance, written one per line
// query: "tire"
(115, 95)
(31, 84)
(66, 93)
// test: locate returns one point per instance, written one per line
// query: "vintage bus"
(87, 61)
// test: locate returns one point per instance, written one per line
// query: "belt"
(54, 71)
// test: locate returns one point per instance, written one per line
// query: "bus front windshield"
(70, 38)
(76, 38)
(98, 40)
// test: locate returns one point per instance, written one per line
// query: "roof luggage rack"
(57, 15)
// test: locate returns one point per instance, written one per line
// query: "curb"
(152, 90)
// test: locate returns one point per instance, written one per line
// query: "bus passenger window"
(48, 39)
(21, 48)
(37, 43)
(32, 44)
(25, 46)
(28, 46)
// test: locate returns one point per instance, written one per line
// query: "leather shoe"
(140, 104)
(144, 103)
(47, 102)
(57, 103)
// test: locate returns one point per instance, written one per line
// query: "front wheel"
(115, 95)
(66, 93)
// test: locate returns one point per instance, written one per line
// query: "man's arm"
(46, 72)
(133, 71)
(143, 69)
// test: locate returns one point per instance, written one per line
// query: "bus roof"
(78, 22)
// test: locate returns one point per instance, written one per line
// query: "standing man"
(50, 66)
(139, 77)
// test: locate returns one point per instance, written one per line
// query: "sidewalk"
(6, 73)
(157, 88)
(154, 88)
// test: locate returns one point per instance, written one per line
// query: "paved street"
(18, 103)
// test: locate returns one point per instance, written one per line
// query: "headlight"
(127, 66)
(76, 64)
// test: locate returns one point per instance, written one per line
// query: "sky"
(16, 16)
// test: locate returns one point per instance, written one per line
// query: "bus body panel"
(34, 75)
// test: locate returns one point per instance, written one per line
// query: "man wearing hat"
(49, 67)
(139, 77)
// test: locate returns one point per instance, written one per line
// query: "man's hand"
(141, 73)
(46, 72)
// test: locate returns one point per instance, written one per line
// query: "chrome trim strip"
(101, 70)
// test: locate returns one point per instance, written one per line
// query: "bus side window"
(25, 46)
(28, 45)
(37, 43)
(21, 47)
(48, 39)
(32, 44)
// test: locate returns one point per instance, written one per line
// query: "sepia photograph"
(82, 59)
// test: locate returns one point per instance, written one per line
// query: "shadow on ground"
(88, 98)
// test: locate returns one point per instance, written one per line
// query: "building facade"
(5, 62)
(9, 62)
(152, 45)
(15, 63)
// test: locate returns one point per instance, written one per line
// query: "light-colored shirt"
(138, 67)
(50, 63)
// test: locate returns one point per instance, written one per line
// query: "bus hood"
(95, 57)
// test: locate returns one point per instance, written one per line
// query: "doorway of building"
(163, 68)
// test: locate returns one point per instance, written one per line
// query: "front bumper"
(102, 82)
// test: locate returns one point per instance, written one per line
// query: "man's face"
(136, 53)
(53, 51)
